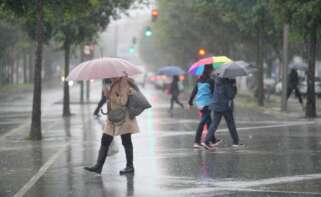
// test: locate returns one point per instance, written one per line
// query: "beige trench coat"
(118, 96)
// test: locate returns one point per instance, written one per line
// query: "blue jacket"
(202, 92)
(225, 91)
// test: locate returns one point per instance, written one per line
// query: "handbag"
(116, 116)
(137, 102)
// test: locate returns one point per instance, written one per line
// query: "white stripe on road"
(163, 133)
(228, 190)
(245, 186)
(272, 126)
(16, 130)
(269, 181)
(40, 173)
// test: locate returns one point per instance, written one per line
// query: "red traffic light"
(201, 52)
(155, 12)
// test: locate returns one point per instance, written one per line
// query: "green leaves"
(301, 15)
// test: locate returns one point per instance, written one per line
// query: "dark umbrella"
(299, 66)
(170, 71)
(233, 69)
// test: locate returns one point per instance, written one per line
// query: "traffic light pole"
(285, 68)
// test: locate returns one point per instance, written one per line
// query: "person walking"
(203, 94)
(102, 101)
(293, 82)
(174, 91)
(117, 98)
(225, 91)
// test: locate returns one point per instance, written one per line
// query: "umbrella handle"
(102, 111)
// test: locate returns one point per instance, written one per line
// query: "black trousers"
(175, 99)
(296, 91)
(127, 144)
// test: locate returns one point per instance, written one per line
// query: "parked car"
(303, 87)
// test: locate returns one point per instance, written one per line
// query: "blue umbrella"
(170, 71)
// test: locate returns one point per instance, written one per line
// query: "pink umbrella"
(101, 68)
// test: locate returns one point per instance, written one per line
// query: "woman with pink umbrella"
(118, 122)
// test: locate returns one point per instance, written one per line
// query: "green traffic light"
(131, 50)
(148, 33)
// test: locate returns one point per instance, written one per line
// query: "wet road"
(281, 156)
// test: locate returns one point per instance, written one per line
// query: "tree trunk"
(35, 132)
(259, 63)
(25, 80)
(17, 68)
(269, 67)
(310, 106)
(66, 100)
(31, 70)
(1, 70)
(12, 65)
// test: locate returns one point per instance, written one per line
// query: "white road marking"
(163, 133)
(167, 121)
(227, 190)
(13, 131)
(269, 181)
(40, 173)
(272, 126)
(240, 186)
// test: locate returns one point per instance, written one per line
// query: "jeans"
(229, 118)
(205, 119)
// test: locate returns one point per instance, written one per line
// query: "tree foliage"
(305, 19)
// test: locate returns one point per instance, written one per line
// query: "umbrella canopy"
(101, 68)
(299, 66)
(198, 67)
(170, 71)
(233, 69)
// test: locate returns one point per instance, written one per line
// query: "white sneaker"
(196, 145)
(238, 145)
(207, 146)
(216, 143)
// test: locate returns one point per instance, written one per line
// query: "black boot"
(100, 160)
(127, 170)
(129, 158)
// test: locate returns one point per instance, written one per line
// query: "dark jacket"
(225, 91)
(293, 80)
(174, 89)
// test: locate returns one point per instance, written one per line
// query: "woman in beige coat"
(117, 98)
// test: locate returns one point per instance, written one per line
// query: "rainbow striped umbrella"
(198, 67)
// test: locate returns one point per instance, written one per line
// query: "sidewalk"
(272, 105)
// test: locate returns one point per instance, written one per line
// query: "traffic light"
(201, 52)
(131, 49)
(148, 31)
(154, 15)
